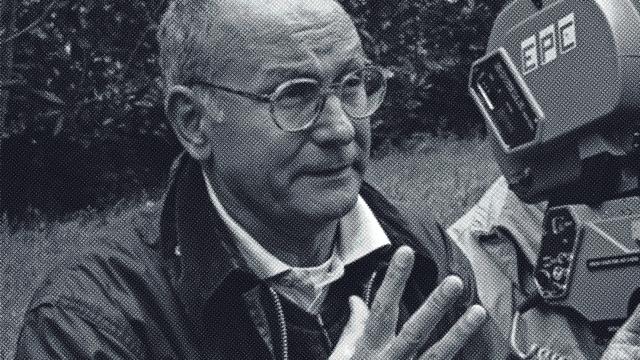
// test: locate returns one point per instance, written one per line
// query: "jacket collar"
(195, 241)
(198, 247)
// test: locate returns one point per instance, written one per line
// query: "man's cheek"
(280, 184)
(295, 191)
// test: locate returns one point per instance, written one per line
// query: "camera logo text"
(545, 46)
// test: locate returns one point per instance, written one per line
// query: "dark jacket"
(171, 286)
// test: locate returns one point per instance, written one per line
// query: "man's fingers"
(417, 329)
(458, 335)
(384, 310)
(345, 348)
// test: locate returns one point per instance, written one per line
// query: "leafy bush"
(429, 45)
(89, 99)
(86, 125)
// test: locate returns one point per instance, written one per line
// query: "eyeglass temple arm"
(252, 96)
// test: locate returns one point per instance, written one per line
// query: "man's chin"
(328, 203)
(333, 208)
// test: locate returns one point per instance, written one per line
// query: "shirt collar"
(360, 235)
(500, 207)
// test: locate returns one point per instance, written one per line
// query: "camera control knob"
(544, 278)
(558, 273)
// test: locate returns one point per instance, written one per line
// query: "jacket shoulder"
(104, 257)
(106, 267)
(96, 290)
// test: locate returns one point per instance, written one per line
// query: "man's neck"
(296, 243)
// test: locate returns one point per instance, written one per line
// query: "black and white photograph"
(320, 179)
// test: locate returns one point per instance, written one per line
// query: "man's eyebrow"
(271, 78)
(356, 62)
(291, 72)
(352, 64)
(274, 76)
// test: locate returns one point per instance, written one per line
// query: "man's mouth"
(337, 168)
(329, 172)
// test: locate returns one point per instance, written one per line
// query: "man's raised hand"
(371, 334)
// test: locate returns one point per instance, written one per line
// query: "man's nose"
(333, 126)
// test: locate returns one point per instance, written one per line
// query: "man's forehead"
(288, 34)
(270, 17)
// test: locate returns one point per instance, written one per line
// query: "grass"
(28, 254)
(437, 176)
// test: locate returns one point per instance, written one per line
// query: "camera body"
(559, 88)
(589, 261)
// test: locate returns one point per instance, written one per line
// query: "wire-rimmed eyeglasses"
(296, 104)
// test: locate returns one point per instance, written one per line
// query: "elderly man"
(269, 245)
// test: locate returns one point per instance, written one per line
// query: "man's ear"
(190, 119)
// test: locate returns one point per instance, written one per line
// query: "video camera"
(559, 88)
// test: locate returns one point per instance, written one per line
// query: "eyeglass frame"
(325, 91)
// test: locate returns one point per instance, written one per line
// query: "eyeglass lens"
(296, 104)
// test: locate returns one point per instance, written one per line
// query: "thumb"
(345, 348)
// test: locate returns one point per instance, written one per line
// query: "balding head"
(203, 38)
(247, 48)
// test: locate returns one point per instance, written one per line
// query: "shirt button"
(177, 251)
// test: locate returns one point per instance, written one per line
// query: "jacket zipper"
(368, 289)
(282, 324)
(324, 331)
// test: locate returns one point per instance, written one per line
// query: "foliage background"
(85, 125)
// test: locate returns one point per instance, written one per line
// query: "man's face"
(311, 175)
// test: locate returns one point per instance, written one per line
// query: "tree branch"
(151, 26)
(11, 84)
(31, 26)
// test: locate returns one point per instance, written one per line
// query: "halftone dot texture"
(442, 177)
(435, 178)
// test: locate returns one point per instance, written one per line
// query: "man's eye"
(352, 81)
(299, 90)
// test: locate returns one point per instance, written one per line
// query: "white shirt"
(360, 234)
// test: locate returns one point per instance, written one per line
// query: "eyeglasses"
(296, 104)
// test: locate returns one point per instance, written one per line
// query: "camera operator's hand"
(372, 335)
(626, 343)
